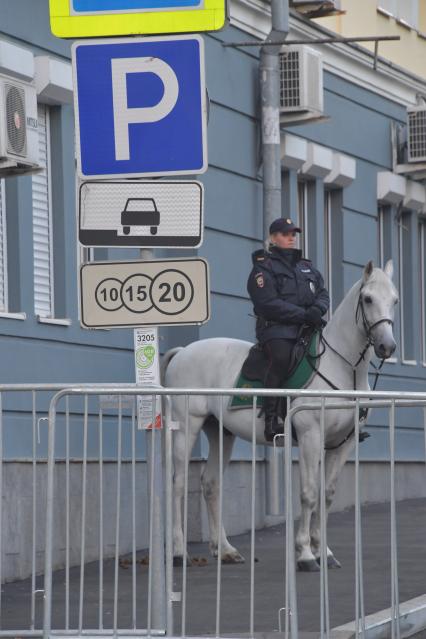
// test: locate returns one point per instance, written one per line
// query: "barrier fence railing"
(102, 509)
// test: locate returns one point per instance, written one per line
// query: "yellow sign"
(99, 18)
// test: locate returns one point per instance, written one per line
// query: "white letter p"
(123, 116)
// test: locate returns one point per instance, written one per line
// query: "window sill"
(392, 360)
(403, 23)
(53, 320)
(384, 12)
(15, 316)
(409, 362)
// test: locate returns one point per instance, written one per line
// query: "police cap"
(283, 225)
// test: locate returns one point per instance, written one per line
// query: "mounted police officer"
(287, 292)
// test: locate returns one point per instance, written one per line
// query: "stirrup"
(362, 435)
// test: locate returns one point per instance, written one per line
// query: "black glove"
(313, 316)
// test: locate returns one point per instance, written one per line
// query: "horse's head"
(376, 308)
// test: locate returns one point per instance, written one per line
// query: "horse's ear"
(368, 270)
(389, 269)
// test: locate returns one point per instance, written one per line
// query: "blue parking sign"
(140, 107)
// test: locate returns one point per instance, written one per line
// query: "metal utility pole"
(270, 117)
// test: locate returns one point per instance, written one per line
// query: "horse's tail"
(166, 359)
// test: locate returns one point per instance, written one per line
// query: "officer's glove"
(313, 316)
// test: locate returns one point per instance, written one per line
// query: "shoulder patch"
(260, 258)
(260, 280)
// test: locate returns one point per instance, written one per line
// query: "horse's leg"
(309, 457)
(179, 446)
(210, 482)
(334, 462)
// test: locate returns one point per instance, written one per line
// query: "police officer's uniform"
(287, 292)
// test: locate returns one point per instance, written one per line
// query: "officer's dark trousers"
(278, 352)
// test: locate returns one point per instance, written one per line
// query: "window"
(302, 215)
(408, 11)
(42, 223)
(405, 10)
(328, 273)
(3, 250)
(405, 249)
(388, 5)
(422, 273)
(384, 234)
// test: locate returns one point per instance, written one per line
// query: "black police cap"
(283, 225)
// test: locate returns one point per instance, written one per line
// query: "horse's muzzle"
(385, 350)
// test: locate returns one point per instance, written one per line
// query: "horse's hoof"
(233, 558)
(332, 562)
(178, 561)
(308, 565)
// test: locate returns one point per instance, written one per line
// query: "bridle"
(369, 341)
(368, 328)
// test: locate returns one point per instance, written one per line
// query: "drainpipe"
(271, 156)
(270, 121)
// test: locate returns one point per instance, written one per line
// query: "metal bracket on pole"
(331, 40)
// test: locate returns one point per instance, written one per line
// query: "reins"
(368, 328)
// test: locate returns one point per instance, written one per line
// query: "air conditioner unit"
(416, 133)
(301, 83)
(317, 8)
(19, 144)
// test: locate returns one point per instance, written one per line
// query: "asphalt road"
(269, 581)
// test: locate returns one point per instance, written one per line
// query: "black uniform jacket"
(282, 285)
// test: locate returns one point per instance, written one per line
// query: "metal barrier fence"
(97, 582)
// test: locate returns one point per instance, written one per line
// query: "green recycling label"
(145, 356)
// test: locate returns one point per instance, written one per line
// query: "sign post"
(140, 112)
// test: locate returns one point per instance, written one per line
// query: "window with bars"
(42, 223)
(3, 251)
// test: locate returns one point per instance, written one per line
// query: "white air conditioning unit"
(317, 8)
(416, 133)
(301, 83)
(19, 144)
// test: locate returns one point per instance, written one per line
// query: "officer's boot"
(271, 418)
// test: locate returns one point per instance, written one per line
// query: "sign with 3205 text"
(140, 107)
(148, 293)
(97, 18)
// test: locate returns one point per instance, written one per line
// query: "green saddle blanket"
(300, 378)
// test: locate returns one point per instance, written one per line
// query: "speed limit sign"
(152, 293)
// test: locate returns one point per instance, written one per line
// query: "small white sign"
(145, 214)
(149, 293)
(147, 367)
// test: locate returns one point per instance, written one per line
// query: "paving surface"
(269, 581)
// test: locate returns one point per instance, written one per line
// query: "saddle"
(253, 371)
(256, 363)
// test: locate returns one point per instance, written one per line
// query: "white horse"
(363, 321)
